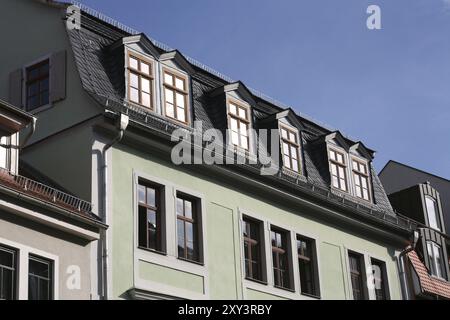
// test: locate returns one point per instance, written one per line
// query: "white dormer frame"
(356, 152)
(297, 144)
(229, 99)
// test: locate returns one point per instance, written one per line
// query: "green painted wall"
(223, 244)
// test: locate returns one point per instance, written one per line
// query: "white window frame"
(23, 254)
(240, 103)
(170, 258)
(269, 287)
(287, 127)
(436, 212)
(369, 177)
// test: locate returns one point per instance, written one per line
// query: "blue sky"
(389, 88)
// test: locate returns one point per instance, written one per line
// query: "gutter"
(52, 207)
(104, 239)
(401, 261)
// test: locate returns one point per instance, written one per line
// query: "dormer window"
(176, 95)
(239, 123)
(361, 179)
(432, 213)
(436, 259)
(290, 148)
(338, 168)
(140, 80)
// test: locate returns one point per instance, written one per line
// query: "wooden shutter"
(15, 88)
(58, 76)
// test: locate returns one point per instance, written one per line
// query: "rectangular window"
(40, 278)
(380, 280)
(435, 257)
(150, 217)
(37, 85)
(140, 81)
(361, 177)
(338, 170)
(432, 213)
(188, 227)
(8, 273)
(307, 263)
(253, 249)
(176, 96)
(356, 263)
(239, 124)
(280, 258)
(290, 149)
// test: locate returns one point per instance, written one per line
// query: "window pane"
(179, 83)
(146, 99)
(141, 192)
(33, 89)
(168, 78)
(142, 226)
(170, 110)
(180, 100)
(287, 161)
(432, 212)
(145, 68)
(285, 148)
(292, 137)
(335, 181)
(242, 113)
(169, 95)
(151, 197)
(294, 165)
(134, 80)
(294, 152)
(145, 83)
(181, 115)
(244, 142)
(235, 138)
(233, 124)
(188, 209)
(243, 129)
(340, 158)
(358, 192)
(365, 194)
(233, 109)
(180, 207)
(284, 133)
(39, 279)
(133, 63)
(134, 95)
(332, 155)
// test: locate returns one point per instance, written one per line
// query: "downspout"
(122, 126)
(401, 265)
(28, 136)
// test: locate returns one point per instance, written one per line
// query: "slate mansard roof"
(101, 70)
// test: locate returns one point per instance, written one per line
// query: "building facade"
(112, 104)
(46, 235)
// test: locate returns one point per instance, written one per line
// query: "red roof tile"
(428, 283)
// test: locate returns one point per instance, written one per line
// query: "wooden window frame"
(383, 279)
(314, 266)
(14, 269)
(196, 227)
(251, 243)
(159, 217)
(38, 80)
(338, 164)
(276, 264)
(150, 77)
(175, 90)
(290, 143)
(361, 175)
(358, 273)
(239, 119)
(51, 277)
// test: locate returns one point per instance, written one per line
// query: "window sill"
(162, 253)
(256, 281)
(39, 109)
(192, 261)
(285, 289)
(310, 296)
